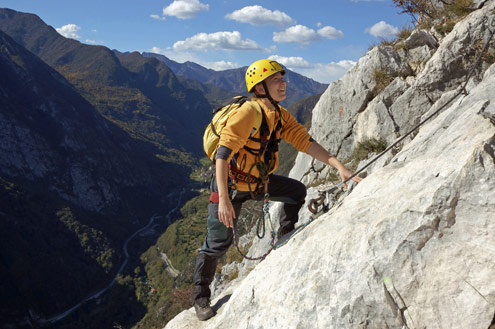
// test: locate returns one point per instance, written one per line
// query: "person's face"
(276, 86)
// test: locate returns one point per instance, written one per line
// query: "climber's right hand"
(226, 212)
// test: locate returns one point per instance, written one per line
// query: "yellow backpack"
(212, 132)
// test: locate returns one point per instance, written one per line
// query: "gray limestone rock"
(337, 121)
(411, 247)
(419, 38)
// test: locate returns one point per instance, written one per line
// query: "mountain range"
(141, 95)
(298, 86)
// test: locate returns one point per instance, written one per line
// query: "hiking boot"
(203, 309)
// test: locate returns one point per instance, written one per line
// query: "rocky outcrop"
(412, 245)
(348, 113)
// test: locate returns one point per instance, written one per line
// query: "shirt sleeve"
(223, 152)
(295, 133)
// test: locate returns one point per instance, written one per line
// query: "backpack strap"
(260, 125)
(264, 132)
(259, 119)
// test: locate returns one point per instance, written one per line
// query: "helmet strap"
(267, 95)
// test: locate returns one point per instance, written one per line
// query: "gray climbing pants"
(219, 238)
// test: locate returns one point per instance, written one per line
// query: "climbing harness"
(264, 170)
(265, 159)
(316, 203)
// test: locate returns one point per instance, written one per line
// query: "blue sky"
(319, 39)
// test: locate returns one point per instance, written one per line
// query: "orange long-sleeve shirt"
(235, 135)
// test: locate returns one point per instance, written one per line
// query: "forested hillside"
(74, 186)
(140, 95)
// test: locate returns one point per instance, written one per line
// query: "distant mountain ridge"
(141, 95)
(298, 86)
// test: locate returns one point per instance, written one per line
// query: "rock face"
(412, 246)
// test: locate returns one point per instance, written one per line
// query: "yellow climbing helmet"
(260, 70)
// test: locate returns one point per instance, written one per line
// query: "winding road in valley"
(124, 263)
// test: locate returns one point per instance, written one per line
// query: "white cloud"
(221, 66)
(257, 15)
(382, 30)
(330, 72)
(157, 50)
(291, 62)
(296, 34)
(304, 35)
(182, 57)
(179, 57)
(94, 42)
(69, 31)
(157, 17)
(217, 41)
(330, 32)
(326, 73)
(185, 9)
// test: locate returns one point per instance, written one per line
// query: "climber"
(244, 168)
